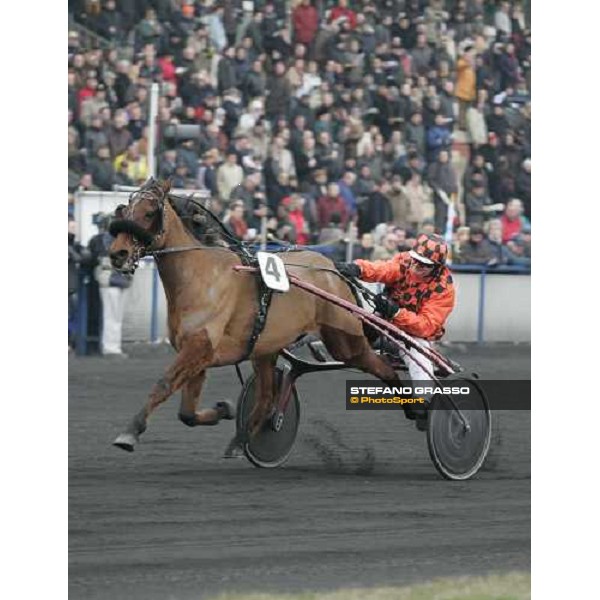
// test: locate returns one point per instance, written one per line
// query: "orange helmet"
(430, 249)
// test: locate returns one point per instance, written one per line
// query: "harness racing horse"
(212, 309)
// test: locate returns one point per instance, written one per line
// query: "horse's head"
(138, 227)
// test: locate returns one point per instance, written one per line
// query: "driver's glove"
(348, 269)
(386, 308)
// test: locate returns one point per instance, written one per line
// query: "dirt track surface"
(175, 521)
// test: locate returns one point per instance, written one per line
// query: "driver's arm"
(379, 271)
(430, 319)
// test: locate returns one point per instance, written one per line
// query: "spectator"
(207, 173)
(438, 138)
(113, 285)
(229, 175)
(93, 105)
(331, 204)
(332, 234)
(187, 154)
(365, 249)
(365, 183)
(306, 22)
(479, 206)
(442, 178)
(388, 248)
(459, 241)
(95, 136)
(495, 239)
(149, 30)
(137, 164)
(253, 198)
(518, 252)
(375, 209)
(137, 122)
(475, 119)
(235, 220)
(508, 65)
(478, 250)
(512, 220)
(119, 137)
(295, 215)
(102, 170)
(465, 83)
(167, 164)
(86, 184)
(415, 133)
(341, 15)
(77, 254)
(428, 227)
(476, 172)
(122, 174)
(523, 186)
(346, 184)
(421, 55)
(419, 202)
(279, 92)
(502, 20)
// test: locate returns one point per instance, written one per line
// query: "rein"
(175, 249)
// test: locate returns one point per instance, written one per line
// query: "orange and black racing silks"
(425, 304)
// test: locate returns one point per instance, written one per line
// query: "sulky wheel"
(268, 448)
(458, 452)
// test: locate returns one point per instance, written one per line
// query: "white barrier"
(506, 314)
(502, 315)
(87, 204)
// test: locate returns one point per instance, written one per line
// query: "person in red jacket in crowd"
(235, 221)
(330, 204)
(295, 215)
(306, 22)
(167, 68)
(340, 11)
(512, 220)
(419, 295)
(89, 91)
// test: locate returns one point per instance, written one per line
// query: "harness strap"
(265, 295)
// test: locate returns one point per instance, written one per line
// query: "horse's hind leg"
(190, 396)
(355, 351)
(264, 367)
(195, 356)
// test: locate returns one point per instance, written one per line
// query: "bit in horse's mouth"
(131, 264)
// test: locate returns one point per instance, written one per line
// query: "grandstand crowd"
(328, 118)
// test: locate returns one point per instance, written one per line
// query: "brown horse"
(212, 310)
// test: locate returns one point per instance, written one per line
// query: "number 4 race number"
(273, 272)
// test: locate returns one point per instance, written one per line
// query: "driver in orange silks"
(419, 293)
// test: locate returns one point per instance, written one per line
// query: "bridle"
(146, 241)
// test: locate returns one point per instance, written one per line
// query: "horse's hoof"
(225, 410)
(234, 450)
(126, 441)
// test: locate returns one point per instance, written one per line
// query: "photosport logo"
(466, 393)
(384, 400)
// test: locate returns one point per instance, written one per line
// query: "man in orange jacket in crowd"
(419, 294)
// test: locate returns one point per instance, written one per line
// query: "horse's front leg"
(190, 396)
(194, 357)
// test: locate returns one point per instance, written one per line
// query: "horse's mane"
(201, 222)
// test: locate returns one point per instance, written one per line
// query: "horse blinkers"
(143, 238)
